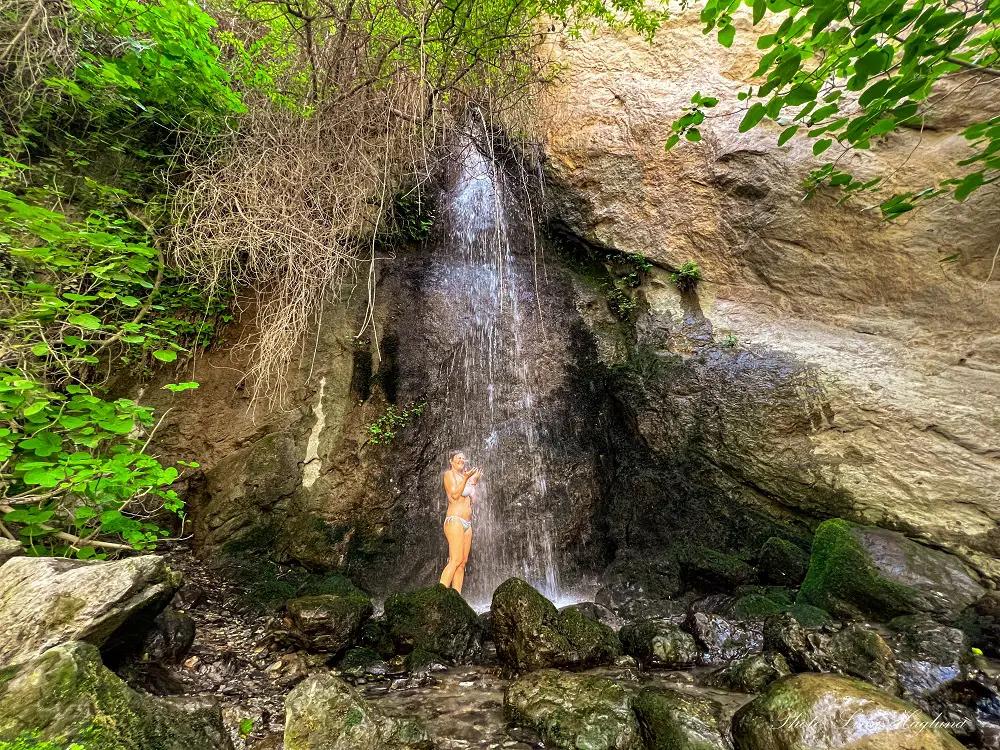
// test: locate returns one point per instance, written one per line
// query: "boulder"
(599, 613)
(10, 548)
(364, 662)
(330, 623)
(640, 585)
(751, 675)
(867, 571)
(434, 618)
(170, 637)
(821, 712)
(782, 563)
(859, 652)
(46, 601)
(530, 633)
(420, 663)
(756, 607)
(325, 713)
(706, 569)
(66, 695)
(722, 640)
(671, 720)
(573, 711)
(981, 622)
(659, 643)
(796, 642)
(928, 653)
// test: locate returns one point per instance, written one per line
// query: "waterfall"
(493, 415)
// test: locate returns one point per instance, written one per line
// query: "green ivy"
(383, 430)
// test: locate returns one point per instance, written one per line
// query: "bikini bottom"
(466, 525)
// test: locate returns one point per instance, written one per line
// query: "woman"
(460, 487)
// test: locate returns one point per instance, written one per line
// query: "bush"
(686, 277)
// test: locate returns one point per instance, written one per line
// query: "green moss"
(705, 566)
(434, 618)
(355, 716)
(842, 580)
(589, 636)
(755, 607)
(670, 720)
(809, 616)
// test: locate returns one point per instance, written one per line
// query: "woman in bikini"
(460, 487)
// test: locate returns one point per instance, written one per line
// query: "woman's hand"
(469, 473)
(478, 475)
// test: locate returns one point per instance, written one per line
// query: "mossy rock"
(867, 571)
(435, 619)
(66, 695)
(814, 711)
(751, 675)
(809, 616)
(707, 569)
(755, 607)
(330, 623)
(530, 633)
(363, 662)
(782, 563)
(863, 653)
(671, 720)
(419, 662)
(659, 643)
(573, 711)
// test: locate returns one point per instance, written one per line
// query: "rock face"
(829, 364)
(573, 711)
(659, 643)
(330, 623)
(9, 548)
(435, 619)
(866, 570)
(816, 712)
(782, 563)
(929, 654)
(671, 720)
(66, 695)
(48, 601)
(531, 634)
(325, 713)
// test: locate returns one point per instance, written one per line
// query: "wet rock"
(671, 720)
(713, 604)
(751, 675)
(659, 643)
(189, 596)
(170, 637)
(755, 607)
(640, 585)
(929, 654)
(421, 663)
(707, 569)
(573, 711)
(785, 635)
(817, 712)
(809, 616)
(364, 662)
(598, 613)
(970, 709)
(782, 563)
(46, 601)
(530, 633)
(325, 713)
(981, 622)
(330, 623)
(10, 548)
(722, 640)
(864, 570)
(435, 618)
(290, 669)
(66, 695)
(862, 653)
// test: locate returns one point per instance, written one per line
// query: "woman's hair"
(452, 454)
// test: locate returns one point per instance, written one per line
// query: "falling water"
(494, 410)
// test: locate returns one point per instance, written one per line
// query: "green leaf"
(85, 320)
(40, 350)
(165, 355)
(821, 145)
(726, 36)
(693, 135)
(759, 8)
(753, 116)
(787, 134)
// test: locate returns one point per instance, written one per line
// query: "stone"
(659, 643)
(530, 633)
(435, 619)
(782, 563)
(928, 653)
(821, 712)
(330, 623)
(364, 662)
(750, 675)
(706, 569)
(859, 652)
(785, 635)
(325, 713)
(981, 622)
(66, 695)
(598, 613)
(9, 548)
(755, 607)
(420, 663)
(671, 720)
(640, 585)
(573, 711)
(170, 637)
(722, 640)
(864, 570)
(46, 601)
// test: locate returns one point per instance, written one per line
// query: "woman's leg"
(453, 533)
(460, 573)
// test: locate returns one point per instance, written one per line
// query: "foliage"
(731, 341)
(246, 727)
(414, 216)
(383, 430)
(686, 277)
(31, 742)
(847, 74)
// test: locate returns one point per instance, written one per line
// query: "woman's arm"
(454, 487)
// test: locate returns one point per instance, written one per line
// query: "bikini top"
(469, 489)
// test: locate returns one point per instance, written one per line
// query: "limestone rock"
(659, 643)
(330, 623)
(46, 601)
(435, 618)
(929, 654)
(862, 653)
(722, 640)
(981, 622)
(66, 695)
(530, 633)
(782, 563)
(671, 720)
(796, 642)
(573, 711)
(821, 712)
(866, 570)
(751, 675)
(9, 548)
(325, 713)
